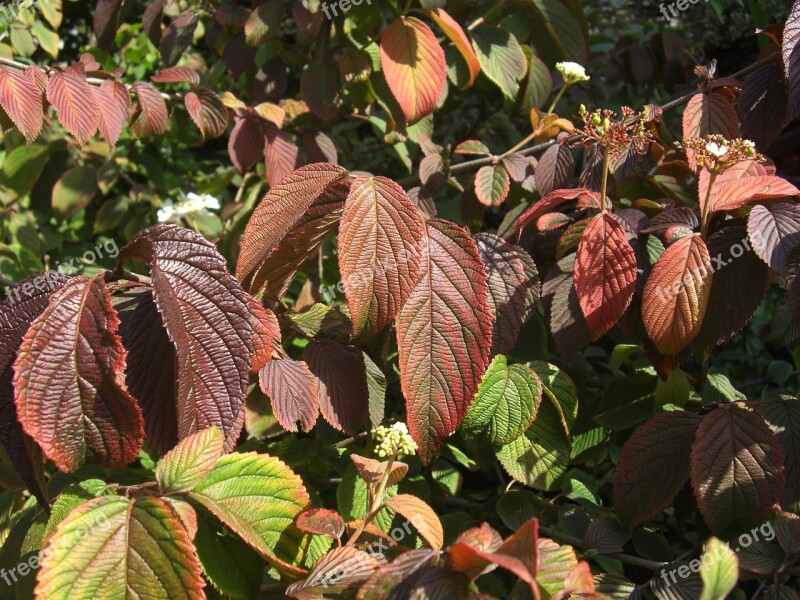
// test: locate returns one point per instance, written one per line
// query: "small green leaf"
(675, 390)
(719, 570)
(501, 57)
(74, 191)
(190, 461)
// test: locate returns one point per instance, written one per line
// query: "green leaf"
(183, 467)
(505, 404)
(501, 58)
(70, 499)
(120, 548)
(719, 570)
(565, 24)
(23, 166)
(675, 390)
(560, 389)
(258, 497)
(718, 388)
(48, 40)
(74, 191)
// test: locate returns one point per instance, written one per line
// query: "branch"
(7, 282)
(673, 104)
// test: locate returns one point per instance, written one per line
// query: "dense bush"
(552, 339)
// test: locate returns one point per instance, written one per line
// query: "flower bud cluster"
(572, 72)
(393, 440)
(717, 154)
(617, 135)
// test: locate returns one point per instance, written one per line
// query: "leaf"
(505, 404)
(340, 569)
(262, 22)
(208, 113)
(21, 99)
(207, 317)
(21, 306)
(106, 22)
(341, 383)
(69, 92)
(321, 87)
(120, 548)
(540, 82)
(443, 335)
(282, 207)
(547, 204)
(246, 143)
(555, 564)
(676, 295)
(554, 171)
(501, 57)
(150, 372)
(153, 116)
(392, 577)
(514, 288)
(321, 521)
(113, 106)
(783, 416)
(719, 570)
(246, 484)
(567, 323)
(183, 467)
(379, 252)
(710, 113)
(791, 59)
(177, 75)
(177, 37)
(492, 184)
(456, 34)
(414, 66)
(762, 105)
(737, 469)
(565, 24)
(732, 195)
(422, 517)
(83, 409)
(292, 390)
(74, 191)
(774, 229)
(605, 273)
(468, 147)
(372, 471)
(266, 334)
(151, 21)
(654, 466)
(281, 155)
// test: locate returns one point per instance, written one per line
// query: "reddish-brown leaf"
(153, 117)
(113, 105)
(555, 170)
(281, 155)
(744, 169)
(379, 251)
(106, 22)
(791, 59)
(444, 335)
(207, 316)
(710, 113)
(654, 466)
(567, 323)
(774, 229)
(605, 273)
(341, 384)
(177, 37)
(246, 143)
(21, 98)
(762, 105)
(393, 576)
(453, 30)
(547, 204)
(372, 471)
(421, 516)
(69, 381)
(151, 368)
(676, 294)
(514, 288)
(734, 194)
(737, 469)
(151, 20)
(321, 521)
(177, 75)
(321, 88)
(340, 569)
(292, 390)
(414, 66)
(266, 333)
(73, 99)
(319, 147)
(282, 207)
(208, 113)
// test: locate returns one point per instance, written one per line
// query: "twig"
(7, 282)
(671, 105)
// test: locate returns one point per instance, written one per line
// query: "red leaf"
(266, 334)
(153, 117)
(292, 391)
(762, 105)
(340, 569)
(151, 21)
(791, 59)
(747, 168)
(774, 230)
(82, 409)
(422, 517)
(676, 294)
(177, 37)
(737, 469)
(319, 147)
(567, 323)
(654, 466)
(114, 105)
(208, 113)
(73, 99)
(379, 252)
(21, 306)
(207, 317)
(21, 98)
(555, 170)
(321, 521)
(710, 113)
(414, 66)
(177, 75)
(453, 30)
(150, 372)
(372, 471)
(321, 88)
(246, 143)
(281, 155)
(106, 22)
(491, 185)
(514, 288)
(341, 384)
(444, 335)
(281, 208)
(547, 204)
(605, 273)
(734, 194)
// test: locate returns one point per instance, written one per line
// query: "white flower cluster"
(191, 204)
(572, 72)
(393, 441)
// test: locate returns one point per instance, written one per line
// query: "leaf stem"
(377, 503)
(604, 185)
(704, 208)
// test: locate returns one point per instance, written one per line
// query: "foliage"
(566, 376)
